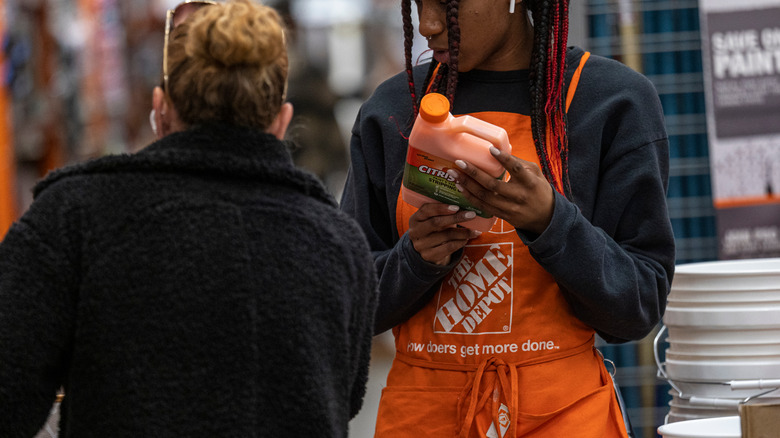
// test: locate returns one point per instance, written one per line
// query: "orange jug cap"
(434, 108)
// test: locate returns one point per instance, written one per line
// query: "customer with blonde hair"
(203, 286)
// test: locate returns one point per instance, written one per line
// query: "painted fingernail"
(470, 215)
(453, 174)
(460, 163)
(494, 150)
(453, 208)
(475, 234)
(459, 187)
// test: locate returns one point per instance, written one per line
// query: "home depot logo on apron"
(480, 283)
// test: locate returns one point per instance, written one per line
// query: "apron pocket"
(418, 412)
(595, 415)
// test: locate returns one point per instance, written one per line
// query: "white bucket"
(743, 315)
(682, 296)
(722, 335)
(722, 427)
(728, 275)
(723, 322)
(682, 407)
(675, 416)
(705, 350)
(711, 390)
(709, 369)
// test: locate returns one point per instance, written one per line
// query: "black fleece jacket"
(203, 286)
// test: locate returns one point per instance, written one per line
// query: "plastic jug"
(438, 139)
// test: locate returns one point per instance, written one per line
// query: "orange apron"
(497, 352)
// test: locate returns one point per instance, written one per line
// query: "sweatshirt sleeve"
(611, 247)
(377, 151)
(36, 300)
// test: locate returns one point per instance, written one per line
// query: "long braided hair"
(548, 65)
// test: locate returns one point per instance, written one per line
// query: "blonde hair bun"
(236, 35)
(228, 64)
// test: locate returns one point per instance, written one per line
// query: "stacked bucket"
(723, 328)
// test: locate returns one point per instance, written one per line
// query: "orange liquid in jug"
(437, 140)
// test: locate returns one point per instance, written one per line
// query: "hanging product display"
(7, 164)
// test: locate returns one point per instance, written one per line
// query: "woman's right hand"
(434, 234)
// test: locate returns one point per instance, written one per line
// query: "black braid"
(436, 84)
(547, 68)
(540, 14)
(406, 12)
(453, 41)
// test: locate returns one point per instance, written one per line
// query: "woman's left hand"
(526, 201)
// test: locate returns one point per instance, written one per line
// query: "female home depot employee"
(495, 331)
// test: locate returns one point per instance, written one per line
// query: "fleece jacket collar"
(220, 151)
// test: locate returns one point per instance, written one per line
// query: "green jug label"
(426, 174)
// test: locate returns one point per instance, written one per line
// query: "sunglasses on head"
(173, 18)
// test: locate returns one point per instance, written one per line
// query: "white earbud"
(511, 6)
(153, 122)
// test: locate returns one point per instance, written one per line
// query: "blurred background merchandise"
(78, 74)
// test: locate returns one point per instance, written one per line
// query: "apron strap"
(507, 386)
(576, 79)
